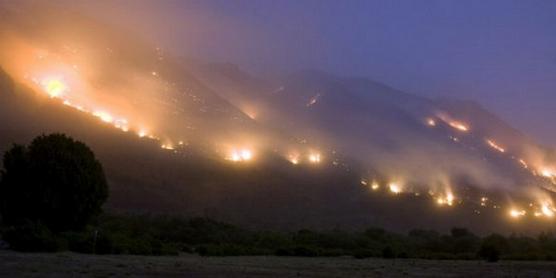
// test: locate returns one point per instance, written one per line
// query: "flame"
(484, 201)
(240, 155)
(447, 200)
(313, 100)
(142, 133)
(103, 116)
(122, 124)
(167, 146)
(459, 126)
(431, 122)
(395, 188)
(375, 186)
(517, 213)
(314, 158)
(54, 87)
(453, 123)
(523, 163)
(293, 159)
(547, 210)
(495, 146)
(548, 173)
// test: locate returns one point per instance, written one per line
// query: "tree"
(56, 181)
(492, 247)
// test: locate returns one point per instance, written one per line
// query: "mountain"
(309, 149)
(387, 129)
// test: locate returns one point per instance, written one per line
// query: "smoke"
(141, 87)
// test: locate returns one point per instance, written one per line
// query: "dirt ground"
(13, 264)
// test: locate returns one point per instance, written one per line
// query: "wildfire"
(523, 163)
(293, 159)
(448, 200)
(54, 87)
(167, 146)
(104, 116)
(547, 210)
(453, 123)
(122, 124)
(484, 201)
(142, 133)
(495, 146)
(459, 126)
(313, 100)
(240, 155)
(517, 213)
(314, 158)
(395, 188)
(548, 173)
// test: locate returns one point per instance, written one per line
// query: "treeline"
(163, 235)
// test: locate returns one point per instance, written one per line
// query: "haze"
(498, 53)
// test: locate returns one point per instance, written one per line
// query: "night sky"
(500, 53)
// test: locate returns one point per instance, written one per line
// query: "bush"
(388, 253)
(490, 253)
(303, 251)
(364, 253)
(33, 237)
(55, 181)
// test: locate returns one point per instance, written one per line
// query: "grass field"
(13, 264)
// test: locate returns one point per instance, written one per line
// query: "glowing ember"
(375, 186)
(547, 210)
(313, 100)
(240, 155)
(523, 163)
(54, 87)
(314, 158)
(495, 146)
(459, 126)
(142, 133)
(448, 200)
(515, 213)
(122, 124)
(453, 123)
(167, 147)
(548, 173)
(246, 154)
(103, 116)
(395, 188)
(293, 158)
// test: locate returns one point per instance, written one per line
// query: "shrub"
(55, 181)
(33, 237)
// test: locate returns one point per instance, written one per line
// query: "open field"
(13, 264)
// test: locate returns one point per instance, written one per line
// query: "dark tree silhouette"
(56, 181)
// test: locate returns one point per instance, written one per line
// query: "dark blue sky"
(500, 53)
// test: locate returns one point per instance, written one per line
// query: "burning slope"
(426, 144)
(311, 137)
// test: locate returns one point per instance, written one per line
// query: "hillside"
(306, 150)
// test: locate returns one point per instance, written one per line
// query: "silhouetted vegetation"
(52, 192)
(165, 235)
(54, 185)
(55, 181)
